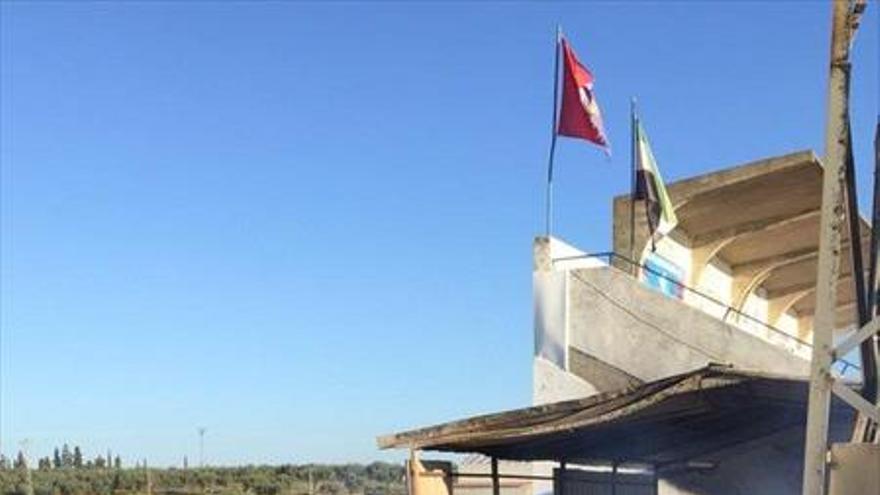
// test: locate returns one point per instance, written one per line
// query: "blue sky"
(302, 225)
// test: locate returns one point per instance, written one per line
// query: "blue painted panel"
(661, 275)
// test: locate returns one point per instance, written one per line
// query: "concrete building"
(733, 284)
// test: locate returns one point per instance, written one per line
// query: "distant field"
(372, 479)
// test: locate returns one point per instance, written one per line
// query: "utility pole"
(830, 227)
(202, 431)
(822, 382)
(185, 472)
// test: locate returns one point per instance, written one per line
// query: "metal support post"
(496, 483)
(562, 474)
(830, 228)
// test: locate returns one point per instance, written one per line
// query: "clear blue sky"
(303, 225)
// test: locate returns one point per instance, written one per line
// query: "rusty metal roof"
(664, 422)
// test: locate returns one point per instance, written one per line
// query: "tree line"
(63, 458)
(67, 472)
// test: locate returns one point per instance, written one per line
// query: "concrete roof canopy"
(761, 220)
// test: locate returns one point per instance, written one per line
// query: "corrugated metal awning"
(668, 421)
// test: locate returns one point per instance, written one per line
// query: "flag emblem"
(579, 113)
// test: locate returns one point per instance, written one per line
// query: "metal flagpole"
(650, 227)
(549, 194)
(875, 221)
(636, 133)
(632, 198)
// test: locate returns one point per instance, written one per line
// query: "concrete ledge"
(615, 319)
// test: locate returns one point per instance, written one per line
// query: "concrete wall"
(553, 384)
(849, 475)
(623, 330)
(715, 280)
(615, 319)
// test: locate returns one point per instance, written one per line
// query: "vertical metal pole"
(411, 473)
(614, 478)
(632, 190)
(875, 222)
(830, 227)
(865, 430)
(636, 163)
(875, 249)
(862, 424)
(656, 480)
(201, 447)
(549, 214)
(863, 314)
(549, 195)
(562, 474)
(496, 483)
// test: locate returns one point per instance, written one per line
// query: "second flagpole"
(549, 193)
(633, 184)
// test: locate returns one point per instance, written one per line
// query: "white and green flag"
(650, 187)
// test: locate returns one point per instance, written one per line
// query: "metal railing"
(609, 257)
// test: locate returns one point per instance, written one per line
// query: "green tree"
(100, 463)
(56, 459)
(77, 457)
(20, 461)
(116, 485)
(117, 463)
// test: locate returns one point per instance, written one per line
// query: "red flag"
(579, 114)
